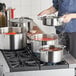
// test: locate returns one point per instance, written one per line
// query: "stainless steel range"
(25, 62)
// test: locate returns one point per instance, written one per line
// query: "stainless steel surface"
(36, 44)
(53, 56)
(58, 72)
(70, 59)
(54, 72)
(52, 20)
(1, 70)
(12, 42)
(24, 22)
(8, 16)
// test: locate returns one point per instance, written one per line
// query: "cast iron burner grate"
(21, 60)
(26, 60)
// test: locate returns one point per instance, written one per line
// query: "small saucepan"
(52, 20)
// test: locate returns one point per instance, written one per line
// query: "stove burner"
(24, 60)
(31, 63)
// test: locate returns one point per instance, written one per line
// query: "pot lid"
(48, 17)
(21, 20)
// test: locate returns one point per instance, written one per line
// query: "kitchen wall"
(30, 8)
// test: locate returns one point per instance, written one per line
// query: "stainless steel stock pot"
(38, 40)
(51, 53)
(12, 38)
(24, 22)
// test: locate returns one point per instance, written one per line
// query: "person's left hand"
(67, 18)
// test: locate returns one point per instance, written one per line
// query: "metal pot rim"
(47, 48)
(9, 30)
(11, 34)
(21, 20)
(51, 50)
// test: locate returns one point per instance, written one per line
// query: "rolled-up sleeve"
(55, 4)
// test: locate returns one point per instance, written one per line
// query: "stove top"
(26, 60)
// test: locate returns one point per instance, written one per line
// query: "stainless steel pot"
(24, 22)
(39, 40)
(53, 54)
(52, 20)
(9, 41)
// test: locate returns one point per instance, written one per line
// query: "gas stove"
(26, 60)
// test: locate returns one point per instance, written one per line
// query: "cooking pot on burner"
(38, 40)
(12, 38)
(51, 53)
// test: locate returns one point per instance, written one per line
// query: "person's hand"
(47, 11)
(67, 18)
(0, 13)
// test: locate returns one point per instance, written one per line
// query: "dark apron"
(69, 41)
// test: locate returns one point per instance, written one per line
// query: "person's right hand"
(47, 11)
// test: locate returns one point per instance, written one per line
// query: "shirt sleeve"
(55, 4)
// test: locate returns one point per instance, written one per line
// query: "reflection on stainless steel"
(11, 41)
(53, 56)
(24, 22)
(39, 40)
(52, 20)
